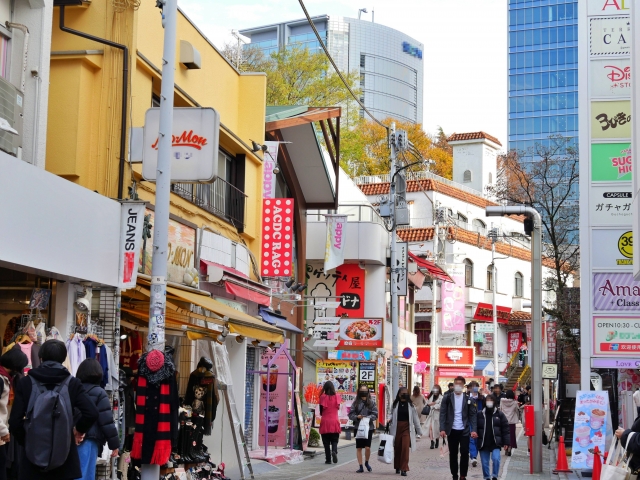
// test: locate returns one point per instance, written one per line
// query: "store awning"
(484, 313)
(239, 323)
(279, 321)
(481, 364)
(434, 270)
(247, 293)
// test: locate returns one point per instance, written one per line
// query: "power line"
(335, 67)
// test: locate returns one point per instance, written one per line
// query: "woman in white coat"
(432, 424)
(405, 425)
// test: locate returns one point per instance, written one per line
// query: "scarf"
(167, 370)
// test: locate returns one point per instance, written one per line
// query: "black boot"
(437, 441)
(432, 445)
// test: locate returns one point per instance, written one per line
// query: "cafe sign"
(456, 357)
(616, 335)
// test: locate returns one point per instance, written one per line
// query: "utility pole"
(238, 48)
(434, 304)
(496, 369)
(158, 303)
(395, 376)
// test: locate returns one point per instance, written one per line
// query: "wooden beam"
(328, 143)
(333, 131)
(337, 166)
(313, 115)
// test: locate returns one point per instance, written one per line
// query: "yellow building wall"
(85, 100)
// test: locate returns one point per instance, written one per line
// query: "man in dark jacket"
(458, 417)
(493, 434)
(51, 373)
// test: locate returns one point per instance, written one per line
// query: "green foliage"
(314, 438)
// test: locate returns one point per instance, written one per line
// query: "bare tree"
(546, 178)
(246, 58)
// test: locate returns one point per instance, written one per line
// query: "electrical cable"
(335, 67)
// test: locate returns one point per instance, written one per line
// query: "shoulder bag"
(617, 466)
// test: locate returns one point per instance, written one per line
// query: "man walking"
(458, 421)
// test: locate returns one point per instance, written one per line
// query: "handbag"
(363, 429)
(385, 450)
(426, 410)
(617, 467)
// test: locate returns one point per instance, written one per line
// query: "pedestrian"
(632, 444)
(478, 398)
(449, 389)
(458, 417)
(493, 434)
(364, 408)
(330, 425)
(498, 394)
(636, 401)
(432, 424)
(509, 406)
(90, 373)
(418, 400)
(81, 414)
(405, 428)
(12, 365)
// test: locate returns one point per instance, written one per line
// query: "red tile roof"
(415, 234)
(520, 315)
(456, 137)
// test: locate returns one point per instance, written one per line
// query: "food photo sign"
(591, 427)
(360, 333)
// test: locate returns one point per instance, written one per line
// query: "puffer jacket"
(104, 429)
(498, 420)
(358, 407)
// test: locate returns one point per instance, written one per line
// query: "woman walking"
(509, 407)
(419, 402)
(104, 430)
(364, 408)
(493, 434)
(12, 365)
(330, 424)
(432, 423)
(405, 427)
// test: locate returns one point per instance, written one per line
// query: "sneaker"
(334, 455)
(474, 463)
(366, 464)
(360, 470)
(418, 436)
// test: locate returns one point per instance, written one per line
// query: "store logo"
(623, 163)
(617, 195)
(625, 246)
(615, 4)
(454, 355)
(411, 50)
(614, 122)
(617, 74)
(186, 139)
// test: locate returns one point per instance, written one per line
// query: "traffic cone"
(561, 464)
(597, 464)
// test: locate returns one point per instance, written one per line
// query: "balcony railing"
(219, 198)
(355, 213)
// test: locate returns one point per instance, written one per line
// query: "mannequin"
(202, 393)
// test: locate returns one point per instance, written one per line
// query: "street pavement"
(424, 463)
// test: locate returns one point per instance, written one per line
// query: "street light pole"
(393, 273)
(496, 369)
(434, 312)
(533, 227)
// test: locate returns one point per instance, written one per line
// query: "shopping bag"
(616, 467)
(426, 410)
(385, 450)
(444, 449)
(363, 429)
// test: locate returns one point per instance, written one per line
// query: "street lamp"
(532, 227)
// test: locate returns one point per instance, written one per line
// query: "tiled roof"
(456, 137)
(520, 315)
(415, 234)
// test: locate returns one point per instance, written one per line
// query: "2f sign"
(367, 375)
(608, 7)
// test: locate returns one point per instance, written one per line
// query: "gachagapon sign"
(610, 205)
(615, 292)
(610, 77)
(611, 162)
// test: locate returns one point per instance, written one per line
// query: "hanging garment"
(26, 349)
(76, 353)
(114, 375)
(203, 379)
(35, 355)
(10, 330)
(104, 363)
(91, 347)
(41, 333)
(54, 334)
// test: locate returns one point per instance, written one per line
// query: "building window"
(518, 284)
(362, 79)
(466, 176)
(490, 277)
(468, 272)
(362, 60)
(479, 226)
(155, 101)
(462, 218)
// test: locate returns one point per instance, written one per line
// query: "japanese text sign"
(610, 205)
(616, 335)
(453, 301)
(551, 342)
(611, 119)
(515, 339)
(350, 288)
(590, 426)
(277, 237)
(359, 333)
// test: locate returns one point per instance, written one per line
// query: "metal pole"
(393, 274)
(157, 304)
(434, 315)
(496, 369)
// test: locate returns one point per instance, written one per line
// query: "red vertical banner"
(528, 333)
(276, 386)
(551, 342)
(350, 289)
(515, 339)
(277, 237)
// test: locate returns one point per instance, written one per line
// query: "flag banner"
(334, 250)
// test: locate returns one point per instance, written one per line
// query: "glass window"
(553, 124)
(536, 125)
(544, 128)
(513, 39)
(553, 57)
(561, 52)
(544, 34)
(537, 36)
(528, 38)
(468, 272)
(512, 127)
(512, 17)
(545, 58)
(537, 103)
(520, 37)
(520, 16)
(569, 11)
(569, 33)
(528, 81)
(520, 126)
(528, 60)
(571, 123)
(553, 35)
(561, 12)
(544, 101)
(553, 102)
(537, 80)
(537, 59)
(553, 79)
(518, 284)
(561, 31)
(528, 104)
(562, 78)
(512, 60)
(520, 104)
(512, 105)
(536, 15)
(528, 16)
(520, 82)
(562, 100)
(528, 127)
(512, 82)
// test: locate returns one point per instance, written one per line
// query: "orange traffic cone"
(597, 464)
(561, 464)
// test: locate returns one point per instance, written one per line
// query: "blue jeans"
(494, 456)
(473, 449)
(88, 453)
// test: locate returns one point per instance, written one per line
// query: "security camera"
(82, 305)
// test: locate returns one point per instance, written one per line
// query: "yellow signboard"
(611, 119)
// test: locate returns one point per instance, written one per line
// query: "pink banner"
(515, 339)
(278, 388)
(453, 301)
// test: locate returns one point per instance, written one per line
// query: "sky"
(465, 48)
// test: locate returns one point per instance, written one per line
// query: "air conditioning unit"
(11, 106)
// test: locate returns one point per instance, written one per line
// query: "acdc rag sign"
(277, 237)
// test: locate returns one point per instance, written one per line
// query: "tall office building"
(389, 62)
(543, 71)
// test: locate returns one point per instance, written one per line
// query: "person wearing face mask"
(493, 434)
(509, 406)
(478, 398)
(364, 408)
(458, 418)
(405, 428)
(498, 394)
(432, 424)
(419, 402)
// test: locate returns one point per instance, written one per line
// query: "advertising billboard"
(611, 77)
(277, 237)
(610, 35)
(615, 249)
(453, 301)
(611, 162)
(616, 335)
(616, 292)
(611, 119)
(610, 205)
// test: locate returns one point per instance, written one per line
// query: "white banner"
(610, 77)
(610, 205)
(334, 249)
(131, 225)
(608, 7)
(268, 177)
(610, 35)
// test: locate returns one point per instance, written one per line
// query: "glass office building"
(543, 71)
(389, 63)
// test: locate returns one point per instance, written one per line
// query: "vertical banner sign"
(277, 387)
(277, 237)
(350, 288)
(270, 162)
(131, 224)
(515, 339)
(401, 265)
(453, 301)
(528, 327)
(368, 375)
(590, 427)
(551, 342)
(334, 248)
